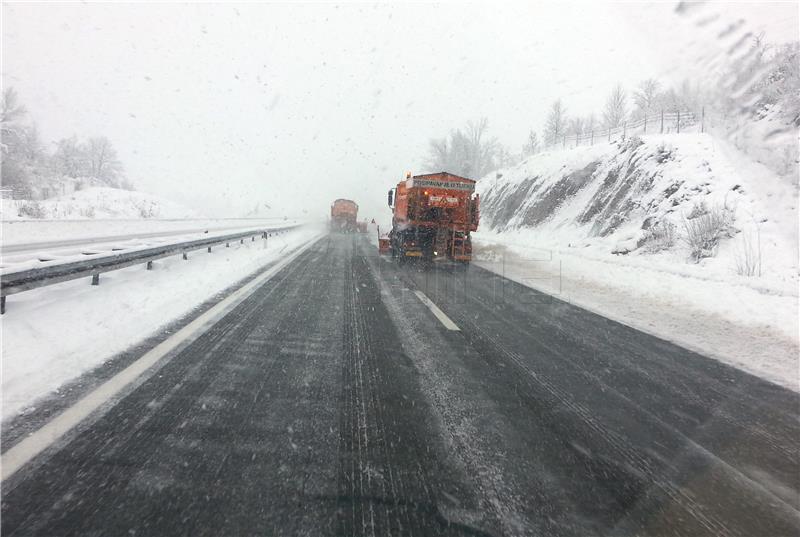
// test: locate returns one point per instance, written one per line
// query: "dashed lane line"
(445, 320)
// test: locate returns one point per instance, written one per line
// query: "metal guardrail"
(16, 281)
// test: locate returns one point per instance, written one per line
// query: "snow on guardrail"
(17, 278)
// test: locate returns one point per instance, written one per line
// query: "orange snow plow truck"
(434, 215)
(344, 215)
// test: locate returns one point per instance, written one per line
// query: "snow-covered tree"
(12, 114)
(70, 157)
(532, 146)
(576, 126)
(505, 158)
(589, 124)
(646, 97)
(556, 124)
(20, 144)
(31, 173)
(616, 110)
(469, 152)
(102, 160)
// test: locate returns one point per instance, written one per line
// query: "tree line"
(31, 171)
(621, 107)
(470, 151)
(764, 76)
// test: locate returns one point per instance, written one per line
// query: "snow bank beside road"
(96, 202)
(53, 334)
(580, 224)
(735, 322)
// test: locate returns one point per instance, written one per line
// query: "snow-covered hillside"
(615, 227)
(626, 197)
(96, 202)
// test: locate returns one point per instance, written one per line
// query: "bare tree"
(482, 151)
(11, 115)
(646, 97)
(469, 152)
(532, 146)
(11, 110)
(589, 124)
(438, 154)
(18, 143)
(616, 110)
(576, 126)
(556, 124)
(102, 160)
(505, 158)
(70, 158)
(31, 173)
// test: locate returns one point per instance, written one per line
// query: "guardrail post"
(227, 245)
(149, 265)
(679, 122)
(96, 279)
(662, 121)
(241, 241)
(645, 124)
(209, 249)
(185, 257)
(2, 305)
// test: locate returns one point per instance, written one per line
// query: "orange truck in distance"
(344, 216)
(433, 216)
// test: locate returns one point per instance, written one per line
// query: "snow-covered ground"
(736, 322)
(45, 330)
(555, 221)
(96, 202)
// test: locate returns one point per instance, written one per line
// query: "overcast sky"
(223, 106)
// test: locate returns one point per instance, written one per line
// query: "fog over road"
(349, 396)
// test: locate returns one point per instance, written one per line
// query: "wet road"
(335, 401)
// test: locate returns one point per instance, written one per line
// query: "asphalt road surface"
(350, 396)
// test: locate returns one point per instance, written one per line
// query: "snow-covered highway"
(333, 399)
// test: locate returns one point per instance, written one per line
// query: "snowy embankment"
(607, 227)
(53, 334)
(95, 202)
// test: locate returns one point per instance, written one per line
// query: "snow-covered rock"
(610, 195)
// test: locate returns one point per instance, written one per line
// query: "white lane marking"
(450, 325)
(19, 455)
